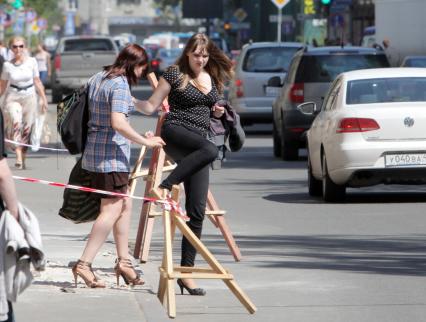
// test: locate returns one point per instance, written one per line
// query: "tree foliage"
(163, 5)
(167, 8)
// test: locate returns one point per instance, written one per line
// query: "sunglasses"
(17, 46)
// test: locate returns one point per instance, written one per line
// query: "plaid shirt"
(107, 150)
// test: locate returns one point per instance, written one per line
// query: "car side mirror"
(308, 108)
(274, 82)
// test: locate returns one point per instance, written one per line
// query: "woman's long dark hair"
(219, 66)
(127, 60)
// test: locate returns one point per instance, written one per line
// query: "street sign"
(30, 15)
(280, 3)
(42, 23)
(337, 21)
(240, 14)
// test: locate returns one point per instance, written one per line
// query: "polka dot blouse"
(189, 107)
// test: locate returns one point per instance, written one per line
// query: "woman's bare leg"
(110, 212)
(121, 229)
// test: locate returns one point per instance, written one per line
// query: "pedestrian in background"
(9, 201)
(193, 86)
(107, 158)
(43, 61)
(5, 52)
(19, 81)
(391, 53)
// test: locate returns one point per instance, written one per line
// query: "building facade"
(114, 17)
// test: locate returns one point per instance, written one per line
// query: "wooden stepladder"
(159, 164)
(169, 272)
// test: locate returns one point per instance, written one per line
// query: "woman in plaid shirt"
(107, 157)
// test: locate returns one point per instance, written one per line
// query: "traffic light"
(324, 8)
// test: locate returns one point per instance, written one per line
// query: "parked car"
(76, 59)
(164, 58)
(258, 62)
(311, 72)
(215, 37)
(221, 44)
(369, 131)
(414, 61)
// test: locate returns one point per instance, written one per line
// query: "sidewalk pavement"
(53, 297)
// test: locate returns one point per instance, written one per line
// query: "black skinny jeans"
(193, 154)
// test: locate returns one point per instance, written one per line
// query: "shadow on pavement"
(353, 198)
(389, 255)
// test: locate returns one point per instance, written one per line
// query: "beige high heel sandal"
(125, 269)
(84, 270)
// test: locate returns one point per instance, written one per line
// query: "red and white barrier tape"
(166, 108)
(168, 204)
(33, 146)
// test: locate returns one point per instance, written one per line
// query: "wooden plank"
(222, 225)
(203, 276)
(168, 263)
(215, 212)
(216, 266)
(241, 296)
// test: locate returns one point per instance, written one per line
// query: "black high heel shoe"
(191, 291)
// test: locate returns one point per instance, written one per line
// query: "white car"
(371, 130)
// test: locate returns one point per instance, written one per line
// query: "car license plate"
(272, 91)
(405, 159)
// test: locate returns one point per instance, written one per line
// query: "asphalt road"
(303, 260)
(362, 260)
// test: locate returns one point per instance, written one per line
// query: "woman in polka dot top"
(193, 87)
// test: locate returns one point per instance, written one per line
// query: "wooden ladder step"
(215, 212)
(153, 214)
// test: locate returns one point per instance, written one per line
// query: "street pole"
(280, 18)
(208, 27)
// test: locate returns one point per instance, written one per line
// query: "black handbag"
(80, 206)
(72, 119)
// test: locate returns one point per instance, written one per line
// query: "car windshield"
(416, 62)
(385, 90)
(88, 45)
(218, 43)
(325, 68)
(268, 59)
(170, 53)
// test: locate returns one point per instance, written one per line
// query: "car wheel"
(56, 96)
(276, 141)
(246, 122)
(314, 185)
(289, 150)
(331, 192)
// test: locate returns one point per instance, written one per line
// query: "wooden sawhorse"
(168, 272)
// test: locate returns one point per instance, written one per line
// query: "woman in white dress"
(20, 80)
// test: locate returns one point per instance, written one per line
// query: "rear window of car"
(325, 68)
(386, 90)
(268, 59)
(88, 45)
(170, 53)
(416, 62)
(219, 43)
